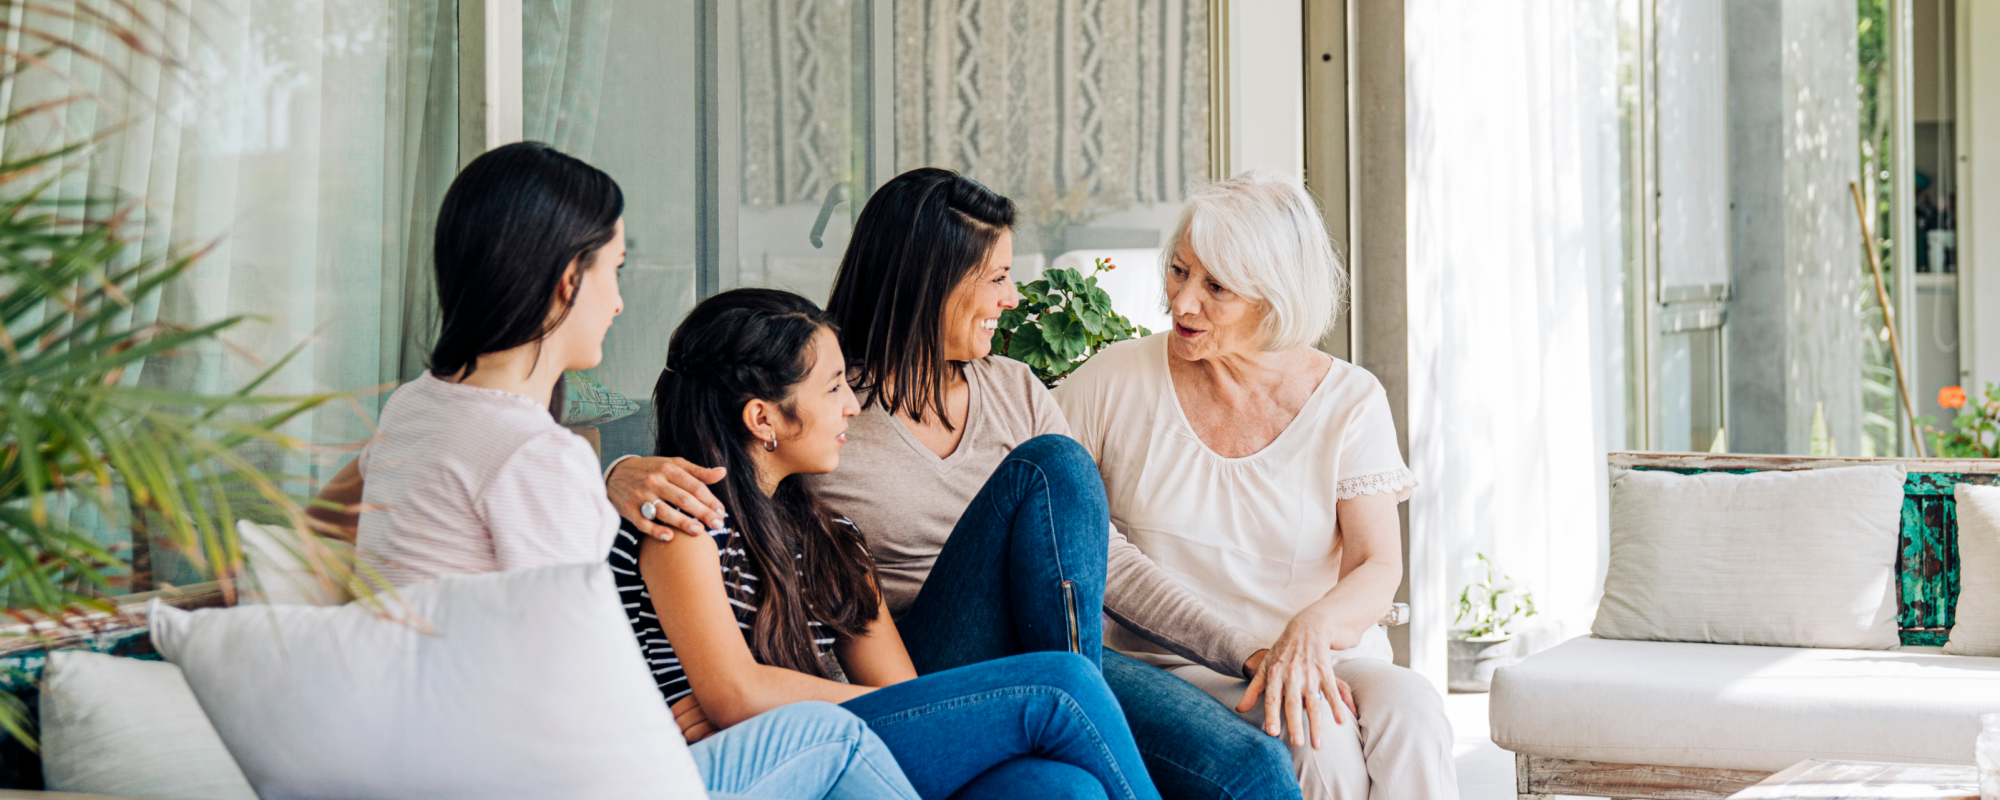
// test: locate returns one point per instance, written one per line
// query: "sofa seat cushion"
(1742, 707)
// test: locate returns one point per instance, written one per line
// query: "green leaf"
(1094, 321)
(1029, 347)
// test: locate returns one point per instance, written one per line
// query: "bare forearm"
(763, 688)
(1356, 603)
(337, 503)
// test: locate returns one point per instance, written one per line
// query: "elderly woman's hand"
(678, 490)
(1292, 679)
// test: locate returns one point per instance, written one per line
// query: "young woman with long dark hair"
(987, 522)
(468, 473)
(782, 606)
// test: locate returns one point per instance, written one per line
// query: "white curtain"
(1513, 269)
(305, 143)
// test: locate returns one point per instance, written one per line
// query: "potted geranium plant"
(1976, 431)
(1063, 319)
(1487, 610)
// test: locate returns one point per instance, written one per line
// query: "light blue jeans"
(803, 751)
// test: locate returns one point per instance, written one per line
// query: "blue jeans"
(1032, 725)
(1195, 747)
(998, 589)
(803, 751)
(1023, 571)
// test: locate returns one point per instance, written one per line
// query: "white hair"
(1261, 236)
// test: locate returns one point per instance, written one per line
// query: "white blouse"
(1255, 537)
(461, 480)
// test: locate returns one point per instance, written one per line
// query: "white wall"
(1979, 187)
(1267, 86)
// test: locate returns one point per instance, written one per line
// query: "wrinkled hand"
(694, 724)
(685, 503)
(1292, 678)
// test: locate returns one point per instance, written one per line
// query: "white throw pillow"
(1792, 559)
(121, 726)
(276, 568)
(528, 685)
(1975, 627)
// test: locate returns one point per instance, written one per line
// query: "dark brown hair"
(921, 236)
(757, 343)
(511, 224)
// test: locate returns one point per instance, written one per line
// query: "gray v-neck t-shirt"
(906, 501)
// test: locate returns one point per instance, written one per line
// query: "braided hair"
(758, 343)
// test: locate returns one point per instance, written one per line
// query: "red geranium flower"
(1951, 396)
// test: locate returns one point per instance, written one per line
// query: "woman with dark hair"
(783, 607)
(468, 473)
(987, 522)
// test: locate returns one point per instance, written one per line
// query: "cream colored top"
(1256, 538)
(461, 480)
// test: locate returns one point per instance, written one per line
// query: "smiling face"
(973, 311)
(1209, 320)
(809, 441)
(579, 341)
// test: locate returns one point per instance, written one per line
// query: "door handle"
(834, 197)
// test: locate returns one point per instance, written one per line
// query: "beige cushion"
(1975, 629)
(278, 566)
(122, 726)
(1736, 707)
(1799, 559)
(522, 684)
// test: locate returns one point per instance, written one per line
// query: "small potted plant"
(1063, 319)
(1487, 610)
(1976, 431)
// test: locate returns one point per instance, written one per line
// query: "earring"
(772, 445)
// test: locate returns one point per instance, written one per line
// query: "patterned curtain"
(798, 69)
(1073, 108)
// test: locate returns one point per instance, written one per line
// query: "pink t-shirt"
(460, 480)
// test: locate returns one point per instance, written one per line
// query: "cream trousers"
(1401, 747)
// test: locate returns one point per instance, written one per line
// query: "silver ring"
(649, 508)
(1317, 695)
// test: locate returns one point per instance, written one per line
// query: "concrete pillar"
(1794, 326)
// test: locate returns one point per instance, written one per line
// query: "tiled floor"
(1485, 772)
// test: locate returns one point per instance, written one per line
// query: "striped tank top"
(738, 580)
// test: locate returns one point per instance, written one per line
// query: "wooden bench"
(1927, 594)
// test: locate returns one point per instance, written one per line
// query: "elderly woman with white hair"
(1264, 476)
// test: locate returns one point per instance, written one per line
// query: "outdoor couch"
(1683, 719)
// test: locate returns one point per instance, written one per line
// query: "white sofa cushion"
(531, 686)
(1796, 559)
(1738, 707)
(1975, 627)
(122, 726)
(278, 566)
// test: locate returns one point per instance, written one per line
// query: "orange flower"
(1951, 397)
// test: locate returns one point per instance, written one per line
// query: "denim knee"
(826, 722)
(1055, 451)
(1069, 673)
(1068, 468)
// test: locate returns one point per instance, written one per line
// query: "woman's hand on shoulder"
(678, 490)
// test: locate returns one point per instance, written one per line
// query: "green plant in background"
(1063, 320)
(1487, 608)
(1976, 431)
(1820, 442)
(90, 459)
